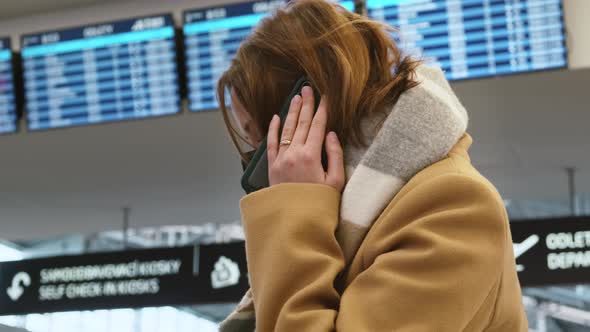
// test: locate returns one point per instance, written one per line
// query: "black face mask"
(247, 158)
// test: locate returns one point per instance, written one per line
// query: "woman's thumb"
(335, 176)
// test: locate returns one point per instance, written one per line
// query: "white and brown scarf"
(423, 126)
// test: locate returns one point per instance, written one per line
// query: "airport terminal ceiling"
(28, 7)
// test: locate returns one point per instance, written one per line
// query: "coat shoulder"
(453, 165)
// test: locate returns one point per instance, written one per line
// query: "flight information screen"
(212, 38)
(101, 73)
(7, 100)
(475, 38)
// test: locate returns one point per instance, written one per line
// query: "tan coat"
(439, 258)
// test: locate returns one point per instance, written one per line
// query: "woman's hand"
(300, 161)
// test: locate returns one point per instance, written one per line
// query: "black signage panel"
(552, 251)
(129, 279)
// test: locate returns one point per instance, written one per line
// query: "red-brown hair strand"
(351, 60)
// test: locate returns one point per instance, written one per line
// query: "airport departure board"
(475, 38)
(101, 73)
(212, 38)
(7, 95)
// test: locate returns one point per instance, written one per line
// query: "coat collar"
(462, 147)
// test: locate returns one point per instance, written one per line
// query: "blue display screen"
(7, 100)
(101, 73)
(212, 38)
(476, 38)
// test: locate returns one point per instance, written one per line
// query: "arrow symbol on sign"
(16, 290)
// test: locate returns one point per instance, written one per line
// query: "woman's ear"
(248, 129)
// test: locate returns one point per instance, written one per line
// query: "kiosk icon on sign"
(225, 274)
(17, 288)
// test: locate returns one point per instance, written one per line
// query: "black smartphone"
(256, 172)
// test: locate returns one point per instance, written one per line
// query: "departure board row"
(7, 95)
(128, 69)
(101, 73)
(475, 38)
(212, 38)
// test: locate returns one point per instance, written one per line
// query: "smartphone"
(256, 172)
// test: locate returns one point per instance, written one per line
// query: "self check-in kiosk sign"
(548, 252)
(127, 279)
(552, 251)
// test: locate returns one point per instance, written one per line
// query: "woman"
(400, 233)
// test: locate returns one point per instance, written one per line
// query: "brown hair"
(351, 60)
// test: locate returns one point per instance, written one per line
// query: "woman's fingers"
(291, 121)
(272, 142)
(317, 132)
(336, 175)
(305, 116)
